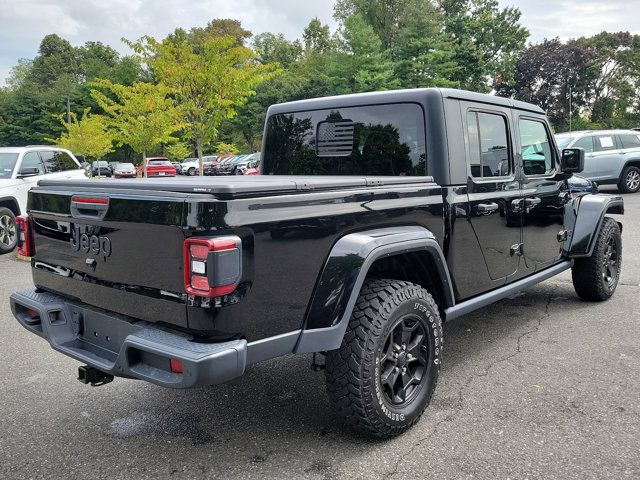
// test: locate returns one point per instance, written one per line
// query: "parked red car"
(158, 167)
(252, 171)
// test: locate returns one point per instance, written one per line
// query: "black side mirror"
(572, 160)
(28, 172)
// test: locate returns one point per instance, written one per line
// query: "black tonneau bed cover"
(235, 186)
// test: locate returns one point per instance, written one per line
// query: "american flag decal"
(334, 139)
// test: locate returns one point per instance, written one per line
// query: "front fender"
(589, 212)
(344, 273)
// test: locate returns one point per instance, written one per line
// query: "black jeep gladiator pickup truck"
(376, 217)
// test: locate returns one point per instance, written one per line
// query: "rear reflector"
(175, 365)
(32, 313)
(212, 266)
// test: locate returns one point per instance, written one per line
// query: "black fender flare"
(590, 211)
(344, 273)
(12, 201)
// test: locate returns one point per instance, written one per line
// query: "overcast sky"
(23, 23)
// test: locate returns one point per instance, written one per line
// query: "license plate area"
(100, 330)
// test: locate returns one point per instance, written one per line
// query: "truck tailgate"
(124, 255)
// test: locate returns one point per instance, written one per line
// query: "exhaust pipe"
(93, 376)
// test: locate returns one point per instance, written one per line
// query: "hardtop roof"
(417, 95)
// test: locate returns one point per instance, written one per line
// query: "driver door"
(543, 197)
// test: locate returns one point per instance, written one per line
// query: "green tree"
(362, 64)
(86, 136)
(178, 151)
(486, 40)
(142, 115)
(316, 37)
(207, 83)
(272, 48)
(424, 56)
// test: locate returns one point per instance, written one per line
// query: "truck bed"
(287, 226)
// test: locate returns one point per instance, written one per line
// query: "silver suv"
(611, 156)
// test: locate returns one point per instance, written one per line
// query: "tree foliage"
(87, 136)
(601, 76)
(207, 79)
(216, 82)
(142, 115)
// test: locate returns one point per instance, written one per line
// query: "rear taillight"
(212, 266)
(26, 245)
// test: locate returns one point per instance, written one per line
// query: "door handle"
(486, 208)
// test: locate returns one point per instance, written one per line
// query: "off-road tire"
(629, 180)
(8, 231)
(353, 372)
(595, 278)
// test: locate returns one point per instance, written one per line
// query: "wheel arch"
(382, 252)
(591, 210)
(11, 203)
(632, 162)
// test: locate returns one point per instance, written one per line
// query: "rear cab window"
(384, 140)
(489, 152)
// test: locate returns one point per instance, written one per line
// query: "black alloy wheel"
(404, 360)
(382, 377)
(595, 278)
(610, 263)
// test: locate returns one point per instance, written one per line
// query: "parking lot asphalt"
(541, 385)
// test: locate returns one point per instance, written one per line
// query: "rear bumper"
(124, 348)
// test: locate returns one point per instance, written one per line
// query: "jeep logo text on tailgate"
(90, 243)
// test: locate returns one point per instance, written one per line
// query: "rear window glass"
(385, 140)
(159, 162)
(606, 143)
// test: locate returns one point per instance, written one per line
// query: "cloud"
(23, 23)
(576, 18)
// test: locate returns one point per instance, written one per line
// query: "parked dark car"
(100, 168)
(376, 218)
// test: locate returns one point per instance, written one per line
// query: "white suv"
(20, 169)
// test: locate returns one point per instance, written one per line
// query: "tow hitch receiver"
(95, 377)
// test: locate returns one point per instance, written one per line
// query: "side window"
(32, 160)
(58, 161)
(535, 148)
(64, 161)
(585, 143)
(488, 145)
(605, 142)
(49, 163)
(629, 140)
